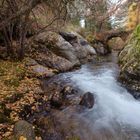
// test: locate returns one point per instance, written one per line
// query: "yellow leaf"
(22, 138)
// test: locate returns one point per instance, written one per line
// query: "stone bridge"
(104, 37)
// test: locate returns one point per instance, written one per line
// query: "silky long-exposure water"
(116, 113)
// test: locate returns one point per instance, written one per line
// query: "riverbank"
(43, 85)
(129, 62)
(55, 101)
(22, 94)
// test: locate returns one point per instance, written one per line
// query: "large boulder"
(68, 45)
(41, 53)
(129, 61)
(81, 47)
(59, 46)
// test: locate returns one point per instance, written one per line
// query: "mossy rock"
(129, 61)
(137, 32)
(131, 52)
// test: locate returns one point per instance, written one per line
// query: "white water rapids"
(115, 115)
(113, 101)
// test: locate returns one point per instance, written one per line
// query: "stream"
(116, 113)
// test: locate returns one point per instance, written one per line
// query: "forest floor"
(17, 89)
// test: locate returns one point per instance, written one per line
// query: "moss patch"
(129, 60)
(131, 52)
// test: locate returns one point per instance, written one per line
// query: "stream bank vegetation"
(32, 48)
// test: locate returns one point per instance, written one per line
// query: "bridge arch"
(105, 37)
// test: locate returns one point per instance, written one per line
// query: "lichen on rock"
(129, 60)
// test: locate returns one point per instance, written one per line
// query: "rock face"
(62, 51)
(129, 60)
(87, 100)
(82, 49)
(24, 130)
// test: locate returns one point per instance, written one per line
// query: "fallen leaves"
(19, 94)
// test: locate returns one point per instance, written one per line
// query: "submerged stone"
(87, 100)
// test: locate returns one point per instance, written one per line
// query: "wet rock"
(65, 96)
(23, 129)
(87, 100)
(59, 97)
(130, 80)
(69, 90)
(61, 92)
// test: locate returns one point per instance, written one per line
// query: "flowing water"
(115, 115)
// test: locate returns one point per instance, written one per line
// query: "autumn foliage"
(133, 16)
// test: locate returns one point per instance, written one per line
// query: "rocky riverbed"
(44, 97)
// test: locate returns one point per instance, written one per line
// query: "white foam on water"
(113, 102)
